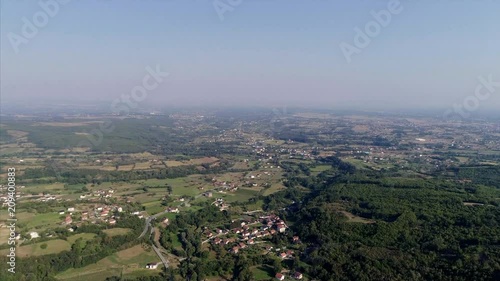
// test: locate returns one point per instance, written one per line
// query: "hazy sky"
(275, 52)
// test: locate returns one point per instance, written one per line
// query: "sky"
(429, 54)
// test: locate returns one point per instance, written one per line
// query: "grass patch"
(39, 221)
(52, 247)
(320, 168)
(130, 262)
(116, 231)
(85, 236)
(262, 272)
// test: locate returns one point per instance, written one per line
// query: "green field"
(130, 262)
(320, 168)
(180, 186)
(262, 272)
(153, 207)
(84, 236)
(275, 187)
(39, 221)
(116, 231)
(38, 188)
(53, 247)
(242, 195)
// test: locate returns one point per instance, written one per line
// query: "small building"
(172, 210)
(281, 228)
(280, 276)
(68, 219)
(297, 275)
(151, 265)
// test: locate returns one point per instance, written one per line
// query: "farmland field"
(40, 221)
(116, 231)
(85, 236)
(129, 262)
(52, 247)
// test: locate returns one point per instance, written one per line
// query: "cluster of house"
(295, 275)
(219, 202)
(99, 194)
(247, 235)
(224, 185)
(299, 153)
(286, 255)
(172, 210)
(267, 151)
(41, 197)
(46, 198)
(99, 213)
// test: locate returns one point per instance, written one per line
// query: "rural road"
(163, 260)
(148, 222)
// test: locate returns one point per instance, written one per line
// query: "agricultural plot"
(241, 195)
(185, 186)
(263, 272)
(129, 263)
(116, 231)
(42, 248)
(353, 218)
(320, 168)
(39, 221)
(85, 236)
(4, 235)
(275, 187)
(39, 188)
(197, 161)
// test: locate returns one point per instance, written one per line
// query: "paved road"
(146, 226)
(148, 223)
(162, 258)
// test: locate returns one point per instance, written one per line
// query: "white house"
(151, 265)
